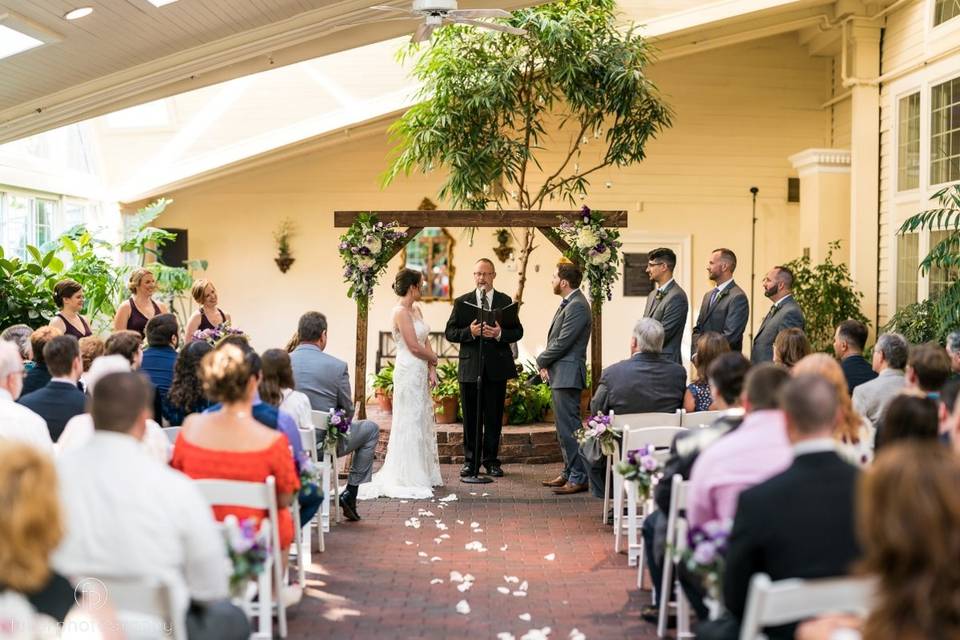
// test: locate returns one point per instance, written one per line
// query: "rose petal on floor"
(450, 498)
(520, 594)
(550, 556)
(438, 540)
(523, 586)
(504, 635)
(437, 581)
(536, 634)
(435, 559)
(407, 542)
(463, 607)
(513, 579)
(577, 635)
(464, 586)
(474, 525)
(503, 548)
(445, 536)
(503, 590)
(422, 554)
(456, 576)
(525, 617)
(459, 521)
(468, 578)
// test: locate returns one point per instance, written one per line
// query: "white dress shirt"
(21, 424)
(297, 404)
(127, 514)
(79, 429)
(479, 294)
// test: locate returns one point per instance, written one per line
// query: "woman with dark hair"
(790, 347)
(68, 296)
(276, 387)
(697, 396)
(908, 417)
(186, 392)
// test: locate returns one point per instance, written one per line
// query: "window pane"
(945, 132)
(940, 278)
(74, 213)
(944, 10)
(908, 143)
(908, 261)
(43, 222)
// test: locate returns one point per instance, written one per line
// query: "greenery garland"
(597, 249)
(366, 248)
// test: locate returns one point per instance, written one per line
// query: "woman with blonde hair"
(134, 313)
(207, 315)
(853, 433)
(790, 347)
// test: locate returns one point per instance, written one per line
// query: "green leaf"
(35, 253)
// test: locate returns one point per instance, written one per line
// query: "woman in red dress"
(229, 444)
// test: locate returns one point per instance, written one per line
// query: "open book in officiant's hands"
(508, 316)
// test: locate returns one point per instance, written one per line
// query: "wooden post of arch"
(415, 221)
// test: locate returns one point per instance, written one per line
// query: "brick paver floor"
(380, 578)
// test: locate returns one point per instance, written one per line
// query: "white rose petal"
(464, 586)
(525, 617)
(437, 540)
(523, 586)
(478, 530)
(520, 594)
(407, 542)
(435, 559)
(509, 579)
(550, 556)
(437, 581)
(422, 554)
(577, 635)
(503, 548)
(536, 634)
(459, 521)
(504, 635)
(474, 524)
(485, 495)
(450, 498)
(503, 590)
(444, 536)
(463, 607)
(468, 578)
(456, 576)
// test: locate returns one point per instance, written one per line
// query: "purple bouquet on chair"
(309, 474)
(248, 547)
(338, 427)
(705, 554)
(641, 467)
(598, 428)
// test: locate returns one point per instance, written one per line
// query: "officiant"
(495, 338)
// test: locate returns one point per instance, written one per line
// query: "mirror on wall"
(431, 253)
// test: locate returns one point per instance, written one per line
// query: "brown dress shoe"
(570, 488)
(559, 481)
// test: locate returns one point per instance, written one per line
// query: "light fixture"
(13, 42)
(160, 3)
(79, 12)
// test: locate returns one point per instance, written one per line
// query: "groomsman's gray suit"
(785, 314)
(671, 312)
(727, 316)
(326, 381)
(565, 359)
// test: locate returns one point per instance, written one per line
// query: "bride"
(412, 467)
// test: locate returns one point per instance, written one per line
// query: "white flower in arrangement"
(586, 238)
(601, 257)
(366, 262)
(373, 244)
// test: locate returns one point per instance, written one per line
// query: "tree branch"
(544, 190)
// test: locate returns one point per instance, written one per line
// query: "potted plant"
(382, 383)
(282, 235)
(446, 395)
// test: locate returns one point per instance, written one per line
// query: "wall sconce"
(503, 249)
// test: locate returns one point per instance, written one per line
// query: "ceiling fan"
(437, 13)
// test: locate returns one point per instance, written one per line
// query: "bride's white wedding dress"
(412, 466)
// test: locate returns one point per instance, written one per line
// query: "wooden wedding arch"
(415, 221)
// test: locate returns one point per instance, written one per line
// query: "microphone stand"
(475, 477)
(753, 256)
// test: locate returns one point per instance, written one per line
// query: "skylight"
(148, 115)
(160, 3)
(13, 42)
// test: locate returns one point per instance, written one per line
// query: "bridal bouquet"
(218, 333)
(704, 555)
(248, 547)
(309, 474)
(598, 428)
(641, 467)
(595, 247)
(337, 429)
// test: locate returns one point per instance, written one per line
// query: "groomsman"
(668, 303)
(563, 364)
(784, 314)
(724, 308)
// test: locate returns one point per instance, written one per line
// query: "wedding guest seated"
(68, 296)
(790, 347)
(38, 376)
(163, 336)
(726, 377)
(848, 344)
(799, 523)
(326, 382)
(207, 315)
(127, 514)
(61, 398)
(889, 359)
(80, 430)
(953, 350)
(19, 334)
(910, 546)
(854, 434)
(947, 405)
(928, 367)
(186, 391)
(697, 396)
(909, 417)
(126, 344)
(276, 387)
(91, 348)
(17, 422)
(134, 313)
(647, 382)
(229, 444)
(34, 600)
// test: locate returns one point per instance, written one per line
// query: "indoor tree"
(492, 103)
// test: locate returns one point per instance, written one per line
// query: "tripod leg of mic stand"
(475, 477)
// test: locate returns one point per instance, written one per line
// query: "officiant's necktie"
(484, 303)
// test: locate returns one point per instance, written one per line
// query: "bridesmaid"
(208, 316)
(68, 295)
(133, 314)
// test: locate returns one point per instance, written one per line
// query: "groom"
(498, 367)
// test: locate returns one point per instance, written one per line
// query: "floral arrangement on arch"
(641, 467)
(218, 333)
(366, 248)
(598, 428)
(595, 247)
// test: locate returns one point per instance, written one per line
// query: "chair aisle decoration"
(676, 543)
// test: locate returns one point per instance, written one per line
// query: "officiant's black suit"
(498, 367)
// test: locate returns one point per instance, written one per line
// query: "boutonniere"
(660, 295)
(723, 294)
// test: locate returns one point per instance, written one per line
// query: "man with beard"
(784, 314)
(725, 308)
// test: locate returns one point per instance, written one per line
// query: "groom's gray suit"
(565, 359)
(326, 381)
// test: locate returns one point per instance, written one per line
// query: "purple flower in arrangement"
(344, 245)
(600, 248)
(705, 553)
(363, 251)
(649, 463)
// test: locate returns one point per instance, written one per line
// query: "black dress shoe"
(348, 503)
(652, 615)
(494, 470)
(466, 471)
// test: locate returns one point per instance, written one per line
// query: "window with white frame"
(908, 263)
(944, 10)
(945, 132)
(908, 142)
(26, 219)
(940, 277)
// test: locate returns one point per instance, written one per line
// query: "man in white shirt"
(16, 421)
(126, 514)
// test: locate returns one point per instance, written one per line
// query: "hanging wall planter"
(282, 235)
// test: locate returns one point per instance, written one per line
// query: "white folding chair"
(633, 420)
(696, 419)
(676, 543)
(634, 438)
(308, 440)
(321, 420)
(257, 495)
(171, 433)
(146, 603)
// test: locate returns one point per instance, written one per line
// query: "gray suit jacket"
(565, 357)
(322, 377)
(871, 398)
(644, 383)
(671, 312)
(728, 317)
(787, 315)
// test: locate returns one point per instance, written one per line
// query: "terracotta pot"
(386, 401)
(445, 410)
(549, 415)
